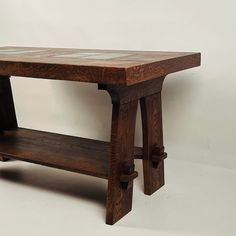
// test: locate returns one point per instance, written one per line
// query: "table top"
(121, 67)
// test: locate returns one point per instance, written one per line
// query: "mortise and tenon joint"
(158, 155)
(128, 175)
(130, 78)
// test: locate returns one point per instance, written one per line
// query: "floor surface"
(196, 200)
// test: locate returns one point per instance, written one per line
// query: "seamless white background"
(198, 104)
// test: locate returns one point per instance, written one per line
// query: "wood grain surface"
(75, 154)
(96, 66)
(7, 109)
(151, 111)
(128, 77)
(119, 200)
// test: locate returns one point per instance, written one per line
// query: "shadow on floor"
(57, 181)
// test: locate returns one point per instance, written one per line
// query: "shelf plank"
(75, 154)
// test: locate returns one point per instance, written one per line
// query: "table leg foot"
(154, 179)
(153, 150)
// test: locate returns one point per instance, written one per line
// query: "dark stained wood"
(3, 159)
(161, 68)
(119, 200)
(124, 94)
(76, 154)
(7, 110)
(152, 141)
(125, 99)
(128, 76)
(97, 66)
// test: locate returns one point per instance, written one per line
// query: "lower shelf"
(75, 154)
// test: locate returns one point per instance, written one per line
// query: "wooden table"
(129, 77)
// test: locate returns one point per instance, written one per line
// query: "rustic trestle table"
(129, 77)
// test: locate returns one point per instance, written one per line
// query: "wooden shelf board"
(75, 154)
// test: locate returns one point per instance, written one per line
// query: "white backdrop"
(198, 104)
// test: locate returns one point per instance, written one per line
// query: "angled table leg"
(121, 163)
(153, 149)
(7, 110)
